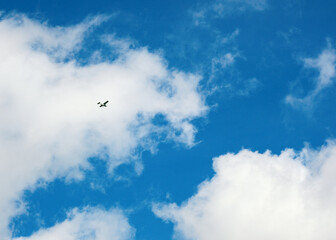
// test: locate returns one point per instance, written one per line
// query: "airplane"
(102, 104)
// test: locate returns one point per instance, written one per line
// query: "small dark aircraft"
(102, 104)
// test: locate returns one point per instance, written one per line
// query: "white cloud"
(325, 64)
(262, 196)
(222, 8)
(249, 86)
(88, 224)
(50, 123)
(231, 37)
(220, 63)
(224, 61)
(234, 84)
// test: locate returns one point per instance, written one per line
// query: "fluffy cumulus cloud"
(88, 224)
(262, 196)
(325, 64)
(50, 122)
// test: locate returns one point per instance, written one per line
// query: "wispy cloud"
(223, 8)
(262, 196)
(248, 87)
(223, 73)
(325, 64)
(50, 123)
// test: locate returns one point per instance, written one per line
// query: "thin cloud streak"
(223, 8)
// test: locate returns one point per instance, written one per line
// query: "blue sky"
(220, 125)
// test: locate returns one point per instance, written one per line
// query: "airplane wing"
(98, 102)
(106, 102)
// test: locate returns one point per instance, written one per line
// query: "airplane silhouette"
(102, 104)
